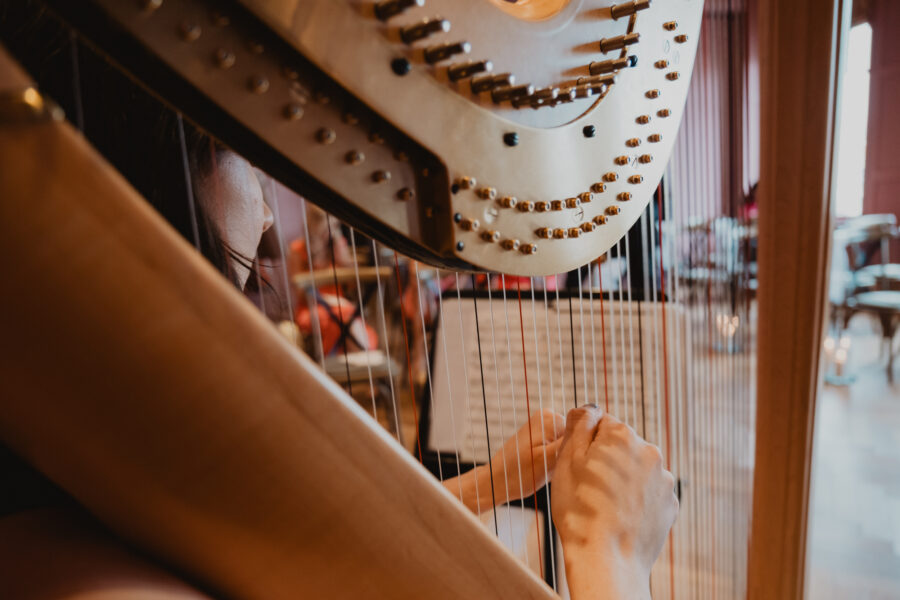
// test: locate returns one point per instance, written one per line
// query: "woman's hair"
(138, 134)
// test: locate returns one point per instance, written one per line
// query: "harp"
(545, 151)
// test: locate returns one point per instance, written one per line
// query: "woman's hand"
(512, 465)
(536, 449)
(613, 505)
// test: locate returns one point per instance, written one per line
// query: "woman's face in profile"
(233, 199)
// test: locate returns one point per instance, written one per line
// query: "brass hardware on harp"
(673, 76)
(624, 196)
(525, 206)
(599, 220)
(598, 188)
(190, 32)
(654, 138)
(585, 197)
(27, 106)
(501, 94)
(326, 135)
(560, 233)
(635, 179)
(381, 176)
(645, 159)
(464, 70)
(224, 58)
(544, 232)
(588, 226)
(491, 235)
(150, 5)
(633, 142)
(487, 83)
(618, 42)
(508, 202)
(661, 64)
(354, 157)
(466, 183)
(622, 160)
(529, 249)
(629, 8)
(586, 91)
(575, 232)
(663, 113)
(427, 28)
(435, 54)
(643, 119)
(654, 93)
(389, 8)
(487, 193)
(573, 202)
(405, 194)
(610, 177)
(510, 244)
(607, 66)
(258, 84)
(681, 39)
(613, 210)
(670, 25)
(557, 205)
(293, 111)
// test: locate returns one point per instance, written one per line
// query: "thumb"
(581, 425)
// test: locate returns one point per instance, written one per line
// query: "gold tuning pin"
(428, 27)
(389, 8)
(619, 42)
(468, 69)
(629, 8)
(435, 54)
(608, 66)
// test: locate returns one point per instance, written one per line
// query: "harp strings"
(362, 317)
(499, 392)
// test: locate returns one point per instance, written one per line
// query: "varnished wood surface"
(141, 381)
(798, 107)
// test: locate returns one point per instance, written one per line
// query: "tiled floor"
(854, 539)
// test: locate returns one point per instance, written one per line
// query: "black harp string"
(559, 345)
(387, 341)
(76, 81)
(572, 342)
(612, 329)
(593, 327)
(415, 275)
(362, 316)
(584, 373)
(288, 291)
(543, 433)
(311, 300)
(499, 399)
(342, 328)
(188, 181)
(442, 328)
(464, 352)
(512, 392)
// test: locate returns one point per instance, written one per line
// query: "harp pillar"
(801, 49)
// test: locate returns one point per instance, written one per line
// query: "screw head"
(511, 138)
(401, 66)
(457, 218)
(589, 131)
(460, 246)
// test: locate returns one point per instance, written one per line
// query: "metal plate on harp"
(519, 137)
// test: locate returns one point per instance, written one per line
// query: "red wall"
(882, 187)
